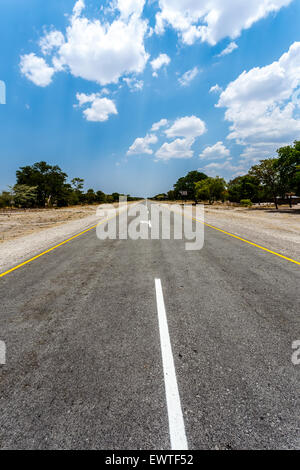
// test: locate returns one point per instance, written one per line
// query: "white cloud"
(50, 41)
(188, 76)
(78, 7)
(36, 69)
(215, 89)
(104, 52)
(215, 152)
(83, 98)
(141, 145)
(229, 49)
(189, 127)
(98, 50)
(129, 7)
(212, 20)
(134, 84)
(100, 108)
(160, 61)
(256, 152)
(179, 148)
(225, 169)
(158, 125)
(260, 105)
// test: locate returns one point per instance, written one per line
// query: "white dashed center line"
(176, 423)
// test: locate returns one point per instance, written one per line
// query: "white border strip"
(176, 423)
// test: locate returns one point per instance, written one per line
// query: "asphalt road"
(85, 365)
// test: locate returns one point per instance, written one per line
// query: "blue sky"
(87, 80)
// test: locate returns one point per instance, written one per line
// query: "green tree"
(268, 174)
(244, 187)
(76, 194)
(171, 195)
(49, 180)
(160, 197)
(90, 196)
(187, 183)
(6, 199)
(23, 195)
(288, 165)
(202, 190)
(100, 197)
(210, 189)
(116, 196)
(77, 184)
(109, 199)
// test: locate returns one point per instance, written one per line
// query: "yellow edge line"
(249, 243)
(56, 246)
(244, 240)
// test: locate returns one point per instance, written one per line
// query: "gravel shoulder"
(276, 230)
(20, 249)
(25, 234)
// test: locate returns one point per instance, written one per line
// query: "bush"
(246, 203)
(6, 199)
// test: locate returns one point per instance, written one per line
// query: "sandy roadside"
(276, 230)
(25, 234)
(18, 223)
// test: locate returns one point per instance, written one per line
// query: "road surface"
(123, 344)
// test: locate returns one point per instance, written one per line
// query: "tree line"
(271, 180)
(43, 185)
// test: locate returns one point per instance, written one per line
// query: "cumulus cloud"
(225, 169)
(179, 148)
(104, 52)
(36, 70)
(141, 145)
(188, 76)
(129, 7)
(229, 49)
(78, 7)
(260, 107)
(98, 50)
(160, 61)
(189, 127)
(183, 132)
(215, 152)
(158, 125)
(99, 109)
(212, 20)
(215, 89)
(258, 151)
(51, 40)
